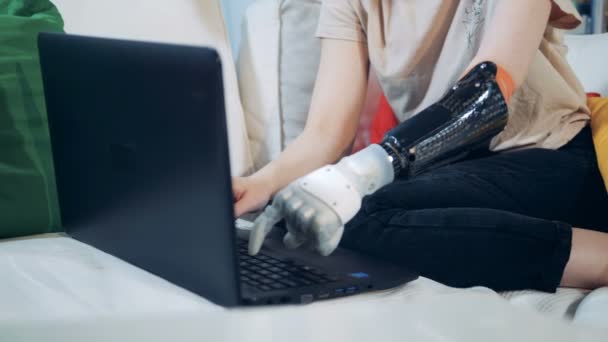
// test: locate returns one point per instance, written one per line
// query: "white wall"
(193, 22)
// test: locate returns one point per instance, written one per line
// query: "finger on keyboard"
(262, 226)
(327, 246)
(293, 241)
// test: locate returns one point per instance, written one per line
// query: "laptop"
(139, 141)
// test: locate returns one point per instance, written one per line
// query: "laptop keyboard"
(267, 273)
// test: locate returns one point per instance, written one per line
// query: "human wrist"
(266, 176)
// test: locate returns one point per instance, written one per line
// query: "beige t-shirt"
(419, 48)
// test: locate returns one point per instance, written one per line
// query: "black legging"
(496, 220)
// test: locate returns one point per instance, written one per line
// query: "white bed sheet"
(54, 288)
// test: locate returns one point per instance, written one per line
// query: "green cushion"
(28, 195)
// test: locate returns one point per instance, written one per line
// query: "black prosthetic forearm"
(467, 118)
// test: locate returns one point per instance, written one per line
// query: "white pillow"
(258, 74)
(277, 68)
(298, 63)
(191, 22)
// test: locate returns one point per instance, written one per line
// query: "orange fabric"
(505, 83)
(599, 127)
(384, 120)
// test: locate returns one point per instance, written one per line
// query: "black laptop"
(139, 140)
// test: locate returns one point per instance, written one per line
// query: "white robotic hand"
(317, 206)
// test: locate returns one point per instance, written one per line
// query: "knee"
(376, 203)
(374, 215)
(371, 205)
(400, 195)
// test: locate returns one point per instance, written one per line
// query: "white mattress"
(54, 288)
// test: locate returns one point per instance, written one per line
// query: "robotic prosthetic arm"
(317, 206)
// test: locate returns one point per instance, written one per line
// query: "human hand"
(250, 194)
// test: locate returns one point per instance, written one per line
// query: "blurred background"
(595, 14)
